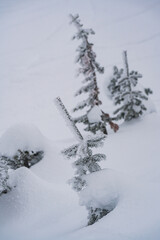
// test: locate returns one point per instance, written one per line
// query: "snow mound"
(21, 136)
(94, 115)
(30, 199)
(151, 108)
(101, 191)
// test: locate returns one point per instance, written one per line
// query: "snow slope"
(43, 206)
(37, 65)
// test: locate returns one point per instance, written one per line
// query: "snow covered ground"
(37, 65)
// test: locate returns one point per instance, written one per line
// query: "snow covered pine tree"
(86, 162)
(89, 68)
(131, 100)
(113, 86)
(20, 159)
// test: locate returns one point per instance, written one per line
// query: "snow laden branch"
(85, 162)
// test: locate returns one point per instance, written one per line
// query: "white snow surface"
(102, 190)
(94, 114)
(23, 137)
(37, 65)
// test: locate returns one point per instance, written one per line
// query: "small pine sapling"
(131, 100)
(85, 161)
(89, 69)
(113, 86)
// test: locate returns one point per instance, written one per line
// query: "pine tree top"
(81, 33)
(88, 65)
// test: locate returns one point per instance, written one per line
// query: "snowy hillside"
(37, 65)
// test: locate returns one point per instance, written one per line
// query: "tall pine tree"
(131, 100)
(89, 69)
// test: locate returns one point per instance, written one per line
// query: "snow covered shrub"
(96, 214)
(89, 69)
(125, 93)
(4, 187)
(22, 159)
(21, 145)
